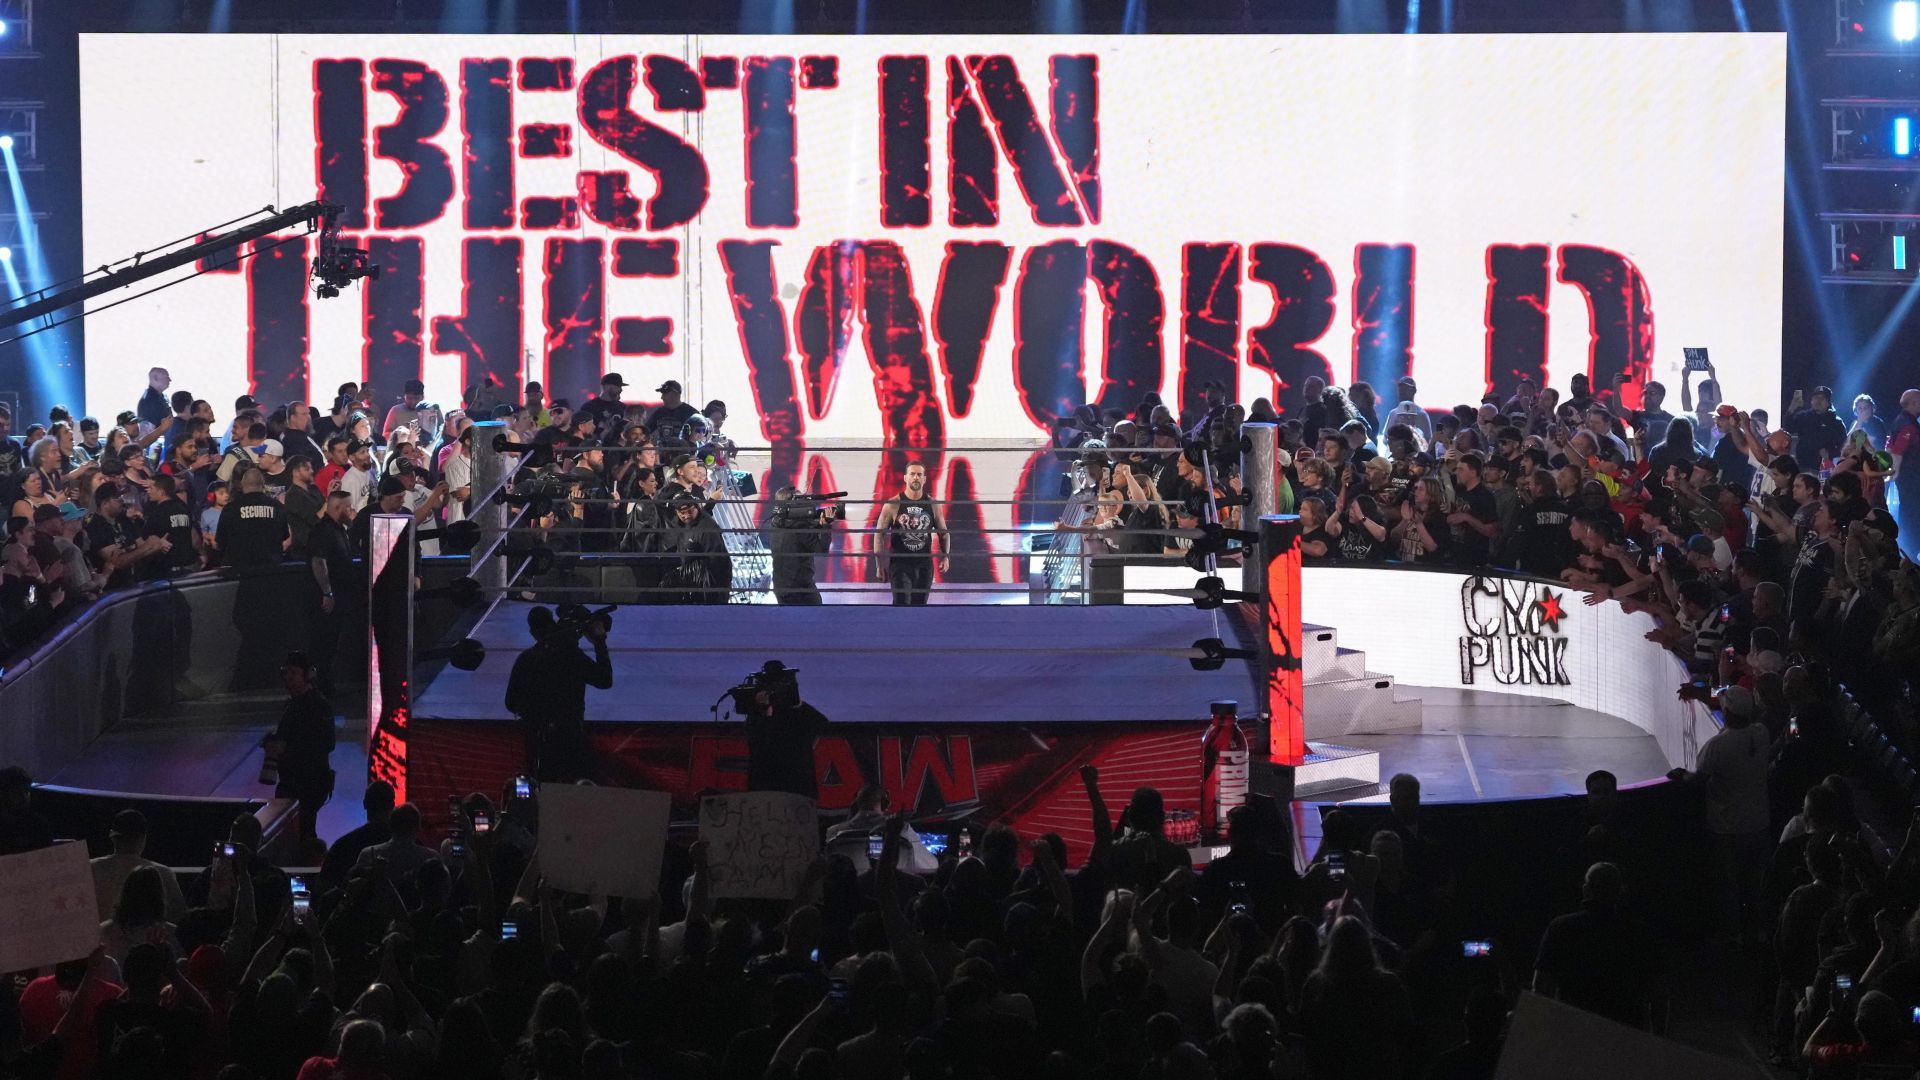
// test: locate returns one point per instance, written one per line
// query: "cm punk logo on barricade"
(1513, 632)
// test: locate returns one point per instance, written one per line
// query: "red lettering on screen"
(999, 120)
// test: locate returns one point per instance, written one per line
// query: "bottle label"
(1230, 780)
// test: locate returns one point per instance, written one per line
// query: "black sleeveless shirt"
(912, 531)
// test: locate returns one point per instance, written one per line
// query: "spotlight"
(6, 254)
(1906, 20)
(3, 28)
(1902, 136)
(6, 142)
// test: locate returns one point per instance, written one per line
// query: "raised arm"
(1055, 877)
(1097, 807)
(1113, 923)
(902, 939)
(698, 899)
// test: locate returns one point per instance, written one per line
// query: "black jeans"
(912, 580)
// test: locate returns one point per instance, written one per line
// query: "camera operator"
(802, 528)
(547, 689)
(781, 730)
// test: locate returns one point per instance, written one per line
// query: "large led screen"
(923, 240)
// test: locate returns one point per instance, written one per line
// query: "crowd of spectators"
(402, 959)
(169, 489)
(1720, 525)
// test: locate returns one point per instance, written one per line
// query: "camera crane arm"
(106, 280)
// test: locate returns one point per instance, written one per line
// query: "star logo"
(1550, 610)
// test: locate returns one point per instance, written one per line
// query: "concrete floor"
(213, 748)
(1477, 745)
(1474, 745)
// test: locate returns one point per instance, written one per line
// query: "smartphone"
(1916, 1014)
(814, 956)
(482, 824)
(509, 930)
(965, 840)
(522, 788)
(875, 843)
(223, 850)
(302, 898)
(935, 843)
(837, 992)
(1237, 896)
(457, 847)
(1472, 949)
(1337, 866)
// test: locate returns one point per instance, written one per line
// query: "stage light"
(1902, 136)
(6, 142)
(6, 254)
(1899, 253)
(3, 28)
(1906, 20)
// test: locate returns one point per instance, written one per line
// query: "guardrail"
(150, 648)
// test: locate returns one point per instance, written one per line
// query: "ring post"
(391, 571)
(489, 468)
(1282, 648)
(1260, 478)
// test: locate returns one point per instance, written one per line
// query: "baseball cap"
(46, 512)
(72, 511)
(1826, 390)
(245, 401)
(354, 446)
(1698, 544)
(612, 378)
(271, 446)
(1879, 518)
(392, 485)
(1726, 410)
(1423, 458)
(1763, 660)
(1736, 701)
(1710, 519)
(671, 386)
(126, 417)
(88, 423)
